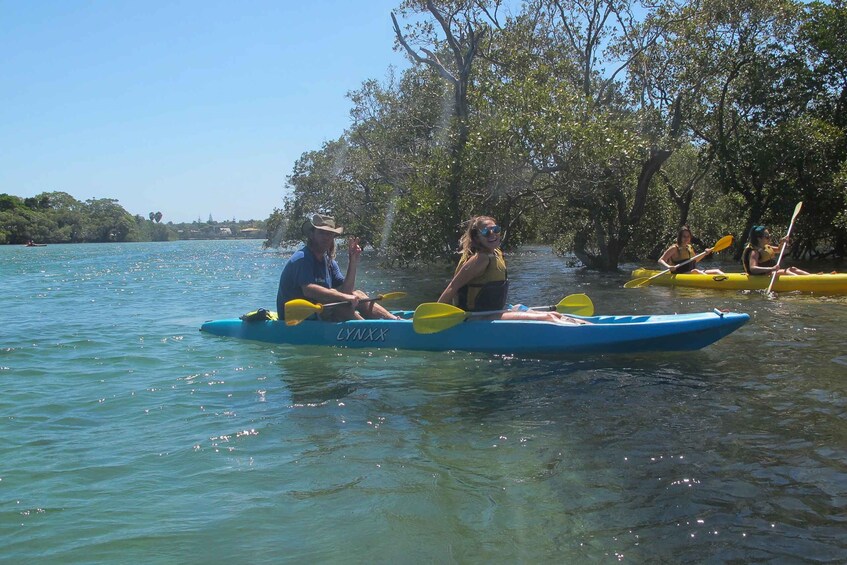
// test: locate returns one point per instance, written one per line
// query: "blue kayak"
(605, 334)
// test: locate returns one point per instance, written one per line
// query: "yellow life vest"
(768, 254)
(488, 291)
(683, 254)
(767, 257)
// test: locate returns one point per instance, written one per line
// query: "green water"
(127, 435)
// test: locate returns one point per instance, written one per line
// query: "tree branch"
(430, 60)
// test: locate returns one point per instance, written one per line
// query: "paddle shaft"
(331, 304)
(299, 309)
(551, 308)
(433, 317)
(781, 251)
(480, 313)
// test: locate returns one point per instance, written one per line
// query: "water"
(129, 436)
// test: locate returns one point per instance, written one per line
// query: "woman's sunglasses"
(489, 229)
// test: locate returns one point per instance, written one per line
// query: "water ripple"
(130, 436)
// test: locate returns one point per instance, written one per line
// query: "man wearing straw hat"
(313, 274)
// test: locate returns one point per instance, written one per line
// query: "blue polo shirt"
(302, 269)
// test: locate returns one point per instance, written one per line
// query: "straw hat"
(321, 222)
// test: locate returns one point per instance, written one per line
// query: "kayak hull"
(606, 334)
(818, 284)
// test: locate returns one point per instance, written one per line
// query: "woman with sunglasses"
(759, 257)
(682, 251)
(481, 282)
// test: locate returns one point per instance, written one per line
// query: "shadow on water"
(478, 386)
(316, 377)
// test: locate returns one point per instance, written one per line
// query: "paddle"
(433, 317)
(721, 244)
(576, 304)
(781, 251)
(299, 309)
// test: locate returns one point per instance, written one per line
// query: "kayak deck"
(605, 334)
(820, 284)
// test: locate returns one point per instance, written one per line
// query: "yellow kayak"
(819, 284)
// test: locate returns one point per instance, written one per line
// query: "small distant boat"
(31, 244)
(835, 283)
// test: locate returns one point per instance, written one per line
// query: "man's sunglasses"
(489, 229)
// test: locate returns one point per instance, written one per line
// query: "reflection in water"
(315, 379)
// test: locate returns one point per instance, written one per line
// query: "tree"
(459, 46)
(9, 202)
(592, 155)
(383, 179)
(397, 147)
(823, 37)
(108, 221)
(601, 125)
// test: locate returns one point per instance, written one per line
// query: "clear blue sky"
(190, 108)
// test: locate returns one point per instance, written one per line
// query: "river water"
(127, 435)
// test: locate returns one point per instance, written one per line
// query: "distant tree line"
(57, 217)
(600, 126)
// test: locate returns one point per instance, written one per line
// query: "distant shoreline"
(231, 238)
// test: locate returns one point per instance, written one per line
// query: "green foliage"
(601, 135)
(840, 221)
(57, 217)
(419, 232)
(150, 230)
(277, 225)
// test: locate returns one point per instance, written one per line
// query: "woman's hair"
(467, 242)
(681, 231)
(756, 233)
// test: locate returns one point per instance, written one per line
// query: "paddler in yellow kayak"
(682, 251)
(481, 282)
(759, 256)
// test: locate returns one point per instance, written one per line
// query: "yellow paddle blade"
(391, 295)
(637, 283)
(298, 310)
(433, 317)
(722, 243)
(576, 304)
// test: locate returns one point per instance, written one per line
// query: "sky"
(191, 108)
